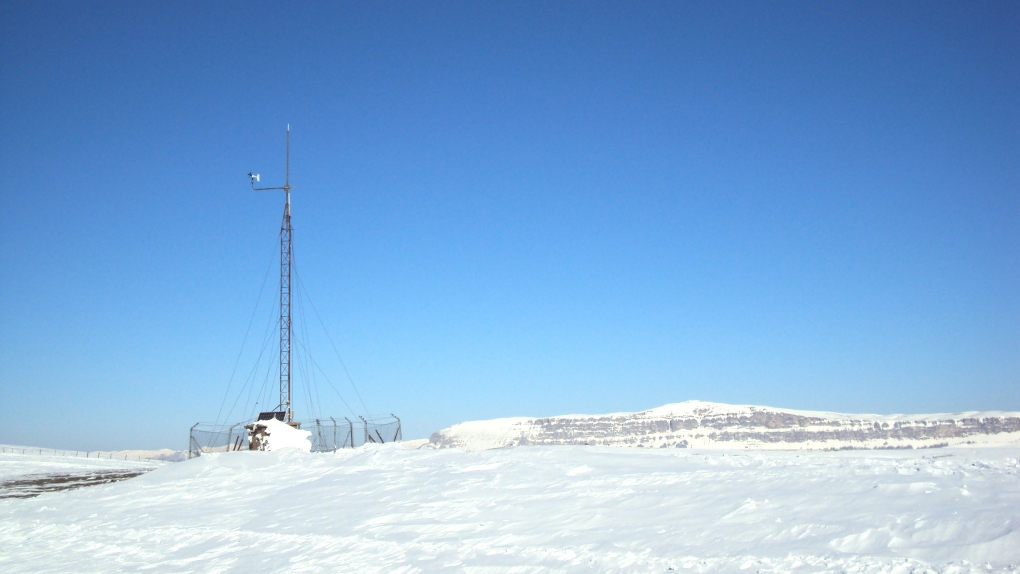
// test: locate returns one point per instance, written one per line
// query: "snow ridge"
(699, 424)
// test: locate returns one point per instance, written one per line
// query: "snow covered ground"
(387, 508)
(16, 465)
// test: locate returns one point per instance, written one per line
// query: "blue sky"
(508, 209)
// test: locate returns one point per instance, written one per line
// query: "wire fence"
(327, 435)
(105, 455)
(206, 439)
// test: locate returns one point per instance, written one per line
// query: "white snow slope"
(385, 508)
(719, 426)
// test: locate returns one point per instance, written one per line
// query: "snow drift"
(385, 508)
(277, 435)
(715, 425)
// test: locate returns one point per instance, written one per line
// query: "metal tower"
(286, 256)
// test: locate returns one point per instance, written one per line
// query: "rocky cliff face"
(714, 425)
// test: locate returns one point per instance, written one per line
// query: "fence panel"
(211, 438)
(327, 435)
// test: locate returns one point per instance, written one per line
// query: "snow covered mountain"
(698, 424)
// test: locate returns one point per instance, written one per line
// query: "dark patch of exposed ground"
(36, 484)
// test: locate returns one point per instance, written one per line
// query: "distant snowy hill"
(698, 424)
(164, 454)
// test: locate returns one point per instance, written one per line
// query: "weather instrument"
(295, 358)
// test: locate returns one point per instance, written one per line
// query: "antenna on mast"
(286, 255)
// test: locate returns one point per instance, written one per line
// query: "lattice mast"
(286, 256)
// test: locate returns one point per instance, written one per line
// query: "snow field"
(534, 509)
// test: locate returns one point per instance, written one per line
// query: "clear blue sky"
(507, 209)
